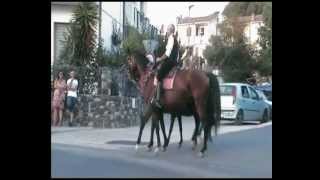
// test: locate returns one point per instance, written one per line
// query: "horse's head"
(133, 67)
(137, 63)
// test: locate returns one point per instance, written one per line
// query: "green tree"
(235, 60)
(215, 52)
(237, 64)
(230, 52)
(81, 45)
(236, 9)
(133, 42)
(265, 41)
(83, 33)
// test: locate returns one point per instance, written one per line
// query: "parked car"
(267, 90)
(267, 101)
(241, 102)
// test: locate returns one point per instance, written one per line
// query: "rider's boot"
(156, 102)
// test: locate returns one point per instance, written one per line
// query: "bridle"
(143, 78)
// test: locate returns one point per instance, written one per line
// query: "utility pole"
(124, 20)
(100, 19)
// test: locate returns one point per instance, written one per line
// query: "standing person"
(58, 99)
(72, 86)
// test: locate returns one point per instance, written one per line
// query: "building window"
(189, 31)
(59, 31)
(197, 30)
(202, 31)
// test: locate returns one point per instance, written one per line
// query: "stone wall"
(103, 111)
(115, 81)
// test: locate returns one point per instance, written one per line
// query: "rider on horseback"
(168, 60)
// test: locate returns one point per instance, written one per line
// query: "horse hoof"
(201, 154)
(149, 149)
(179, 146)
(194, 148)
(164, 149)
(156, 151)
(199, 139)
(137, 147)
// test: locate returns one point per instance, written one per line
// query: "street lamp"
(191, 6)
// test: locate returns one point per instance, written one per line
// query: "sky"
(166, 12)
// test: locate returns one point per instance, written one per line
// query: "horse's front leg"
(143, 120)
(171, 127)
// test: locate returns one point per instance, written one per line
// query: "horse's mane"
(140, 58)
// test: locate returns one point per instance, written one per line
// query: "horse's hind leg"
(180, 129)
(173, 116)
(163, 128)
(196, 129)
(151, 134)
(206, 133)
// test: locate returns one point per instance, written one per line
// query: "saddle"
(168, 80)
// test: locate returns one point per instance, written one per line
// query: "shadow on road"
(66, 130)
(125, 142)
(232, 123)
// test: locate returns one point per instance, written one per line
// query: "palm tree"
(82, 44)
(84, 33)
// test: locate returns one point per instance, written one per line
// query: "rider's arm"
(168, 49)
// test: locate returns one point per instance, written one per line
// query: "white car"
(241, 102)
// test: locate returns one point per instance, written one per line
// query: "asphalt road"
(242, 154)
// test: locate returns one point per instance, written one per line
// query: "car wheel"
(239, 118)
(265, 117)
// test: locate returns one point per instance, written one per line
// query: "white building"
(252, 24)
(61, 14)
(112, 14)
(196, 31)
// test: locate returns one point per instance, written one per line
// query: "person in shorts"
(72, 86)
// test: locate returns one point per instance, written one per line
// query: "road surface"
(245, 154)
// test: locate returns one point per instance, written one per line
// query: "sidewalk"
(126, 137)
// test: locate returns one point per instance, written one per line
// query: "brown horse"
(195, 93)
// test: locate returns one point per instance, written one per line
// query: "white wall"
(115, 10)
(59, 14)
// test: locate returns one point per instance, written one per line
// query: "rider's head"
(170, 29)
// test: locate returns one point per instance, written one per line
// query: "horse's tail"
(214, 102)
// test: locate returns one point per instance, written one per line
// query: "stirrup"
(156, 103)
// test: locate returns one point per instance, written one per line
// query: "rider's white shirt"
(169, 45)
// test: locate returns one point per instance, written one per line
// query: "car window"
(226, 90)
(262, 95)
(254, 93)
(244, 92)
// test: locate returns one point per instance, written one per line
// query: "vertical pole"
(100, 19)
(124, 20)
